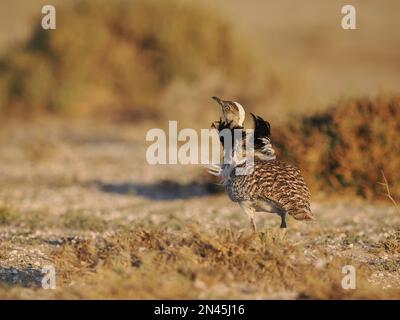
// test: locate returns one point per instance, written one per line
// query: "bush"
(347, 147)
(126, 58)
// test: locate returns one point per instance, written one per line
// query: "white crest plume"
(241, 113)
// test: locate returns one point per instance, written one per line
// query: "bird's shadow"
(25, 277)
(163, 190)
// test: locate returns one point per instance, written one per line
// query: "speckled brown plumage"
(276, 182)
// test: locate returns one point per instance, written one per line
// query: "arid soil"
(81, 197)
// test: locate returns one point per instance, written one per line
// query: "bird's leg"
(249, 210)
(253, 224)
(282, 214)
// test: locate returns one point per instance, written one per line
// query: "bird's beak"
(219, 101)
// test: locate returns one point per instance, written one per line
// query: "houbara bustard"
(273, 185)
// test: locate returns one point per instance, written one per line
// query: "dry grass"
(194, 264)
(388, 193)
(164, 264)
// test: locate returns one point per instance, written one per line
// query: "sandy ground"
(63, 182)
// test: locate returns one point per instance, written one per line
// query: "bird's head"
(232, 111)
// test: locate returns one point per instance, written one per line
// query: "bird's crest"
(262, 130)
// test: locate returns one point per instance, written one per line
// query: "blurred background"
(75, 107)
(329, 93)
(128, 56)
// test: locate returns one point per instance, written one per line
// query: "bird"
(273, 185)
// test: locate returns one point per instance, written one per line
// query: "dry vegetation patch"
(347, 147)
(195, 264)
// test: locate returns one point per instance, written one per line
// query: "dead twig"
(388, 194)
